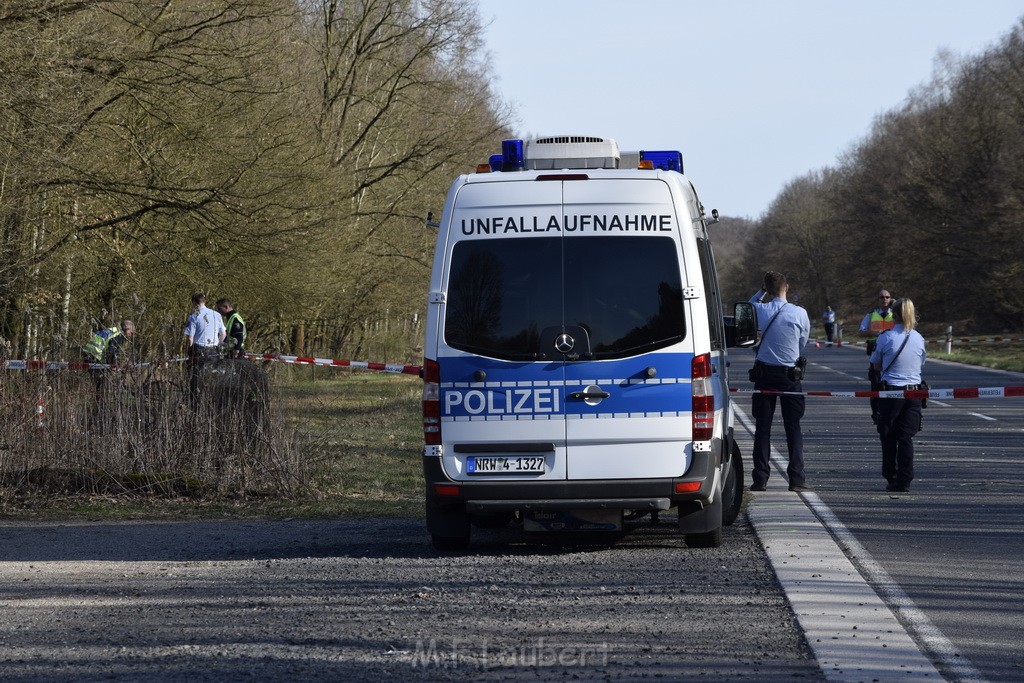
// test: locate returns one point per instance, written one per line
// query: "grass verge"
(998, 355)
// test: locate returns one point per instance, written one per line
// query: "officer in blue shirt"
(785, 329)
(898, 358)
(205, 332)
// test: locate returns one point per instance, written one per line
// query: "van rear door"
(502, 391)
(628, 396)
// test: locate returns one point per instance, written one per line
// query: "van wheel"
(732, 492)
(449, 542)
(708, 539)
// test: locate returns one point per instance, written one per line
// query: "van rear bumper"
(569, 504)
(626, 494)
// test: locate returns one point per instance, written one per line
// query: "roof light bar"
(666, 160)
(571, 152)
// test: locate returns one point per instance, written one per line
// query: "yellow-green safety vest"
(97, 346)
(229, 341)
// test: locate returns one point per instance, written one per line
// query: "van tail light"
(703, 398)
(431, 402)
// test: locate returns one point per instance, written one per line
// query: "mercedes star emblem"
(564, 343)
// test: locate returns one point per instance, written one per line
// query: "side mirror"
(741, 329)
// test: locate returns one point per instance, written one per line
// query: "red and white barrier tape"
(307, 360)
(302, 360)
(75, 365)
(961, 340)
(963, 392)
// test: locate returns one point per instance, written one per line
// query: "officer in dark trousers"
(785, 329)
(898, 359)
(205, 332)
(234, 342)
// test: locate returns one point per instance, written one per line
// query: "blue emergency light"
(512, 158)
(666, 160)
(496, 161)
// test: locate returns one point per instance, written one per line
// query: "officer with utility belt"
(898, 359)
(778, 366)
(205, 332)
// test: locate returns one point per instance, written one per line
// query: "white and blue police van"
(575, 363)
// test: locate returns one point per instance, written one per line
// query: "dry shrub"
(142, 432)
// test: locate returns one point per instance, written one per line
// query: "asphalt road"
(953, 545)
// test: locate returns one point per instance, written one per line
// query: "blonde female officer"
(899, 357)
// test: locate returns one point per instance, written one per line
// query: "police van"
(575, 365)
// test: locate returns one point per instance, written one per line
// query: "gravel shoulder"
(366, 600)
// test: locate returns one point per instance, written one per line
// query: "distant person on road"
(829, 318)
(785, 329)
(234, 342)
(898, 359)
(205, 331)
(877, 321)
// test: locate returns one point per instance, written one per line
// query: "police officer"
(829, 317)
(205, 331)
(234, 342)
(785, 329)
(105, 344)
(877, 321)
(104, 347)
(898, 359)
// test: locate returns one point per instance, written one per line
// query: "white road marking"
(845, 610)
(984, 417)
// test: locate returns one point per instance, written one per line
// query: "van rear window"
(618, 296)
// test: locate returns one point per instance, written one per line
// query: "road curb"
(853, 634)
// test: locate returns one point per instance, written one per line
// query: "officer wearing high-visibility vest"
(234, 342)
(105, 344)
(877, 321)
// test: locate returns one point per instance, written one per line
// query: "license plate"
(506, 464)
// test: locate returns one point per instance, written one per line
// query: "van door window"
(502, 293)
(626, 292)
(712, 295)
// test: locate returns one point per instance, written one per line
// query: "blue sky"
(754, 93)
